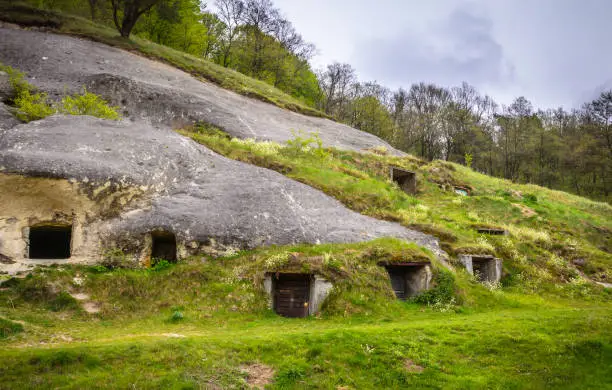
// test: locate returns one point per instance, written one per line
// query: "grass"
(28, 16)
(558, 225)
(198, 323)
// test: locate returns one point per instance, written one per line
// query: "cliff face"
(117, 183)
(158, 93)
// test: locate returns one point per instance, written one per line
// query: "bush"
(31, 107)
(443, 293)
(88, 104)
(160, 264)
(9, 328)
(63, 301)
(177, 316)
(34, 288)
(303, 142)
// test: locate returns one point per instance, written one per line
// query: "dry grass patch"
(258, 375)
(412, 367)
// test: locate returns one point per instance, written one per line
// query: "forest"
(569, 150)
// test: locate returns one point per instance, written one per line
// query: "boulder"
(175, 185)
(161, 94)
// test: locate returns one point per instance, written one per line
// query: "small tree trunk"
(129, 21)
(92, 9)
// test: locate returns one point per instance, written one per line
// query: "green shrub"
(303, 142)
(442, 293)
(177, 316)
(34, 288)
(31, 107)
(88, 104)
(98, 269)
(530, 198)
(160, 264)
(9, 328)
(63, 301)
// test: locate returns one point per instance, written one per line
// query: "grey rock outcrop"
(6, 89)
(7, 119)
(176, 185)
(160, 93)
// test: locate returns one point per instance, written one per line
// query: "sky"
(553, 52)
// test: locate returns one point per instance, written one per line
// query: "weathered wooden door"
(398, 282)
(292, 294)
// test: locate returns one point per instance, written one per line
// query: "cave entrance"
(292, 294)
(164, 246)
(409, 279)
(406, 180)
(50, 242)
(484, 268)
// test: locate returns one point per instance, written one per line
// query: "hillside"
(184, 217)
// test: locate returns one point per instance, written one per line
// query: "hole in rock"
(484, 268)
(409, 279)
(164, 246)
(405, 179)
(50, 242)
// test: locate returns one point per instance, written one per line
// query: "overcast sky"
(553, 52)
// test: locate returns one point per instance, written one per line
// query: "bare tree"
(335, 82)
(230, 13)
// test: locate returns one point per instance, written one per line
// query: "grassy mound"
(554, 239)
(204, 322)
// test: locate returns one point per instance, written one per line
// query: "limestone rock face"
(6, 90)
(116, 182)
(159, 93)
(7, 119)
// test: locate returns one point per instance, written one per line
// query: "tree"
(130, 10)
(230, 13)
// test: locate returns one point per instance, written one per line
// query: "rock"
(6, 260)
(7, 119)
(6, 89)
(161, 94)
(579, 262)
(178, 186)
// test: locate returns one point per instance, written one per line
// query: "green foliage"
(361, 183)
(9, 328)
(178, 32)
(114, 258)
(176, 316)
(303, 142)
(443, 291)
(100, 269)
(160, 264)
(63, 301)
(468, 159)
(32, 105)
(88, 104)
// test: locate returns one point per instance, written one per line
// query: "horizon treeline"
(556, 148)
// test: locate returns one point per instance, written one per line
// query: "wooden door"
(292, 294)
(398, 282)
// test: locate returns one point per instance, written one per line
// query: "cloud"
(459, 48)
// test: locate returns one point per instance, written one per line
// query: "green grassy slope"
(554, 237)
(28, 16)
(205, 322)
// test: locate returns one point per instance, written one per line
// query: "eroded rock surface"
(160, 93)
(121, 180)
